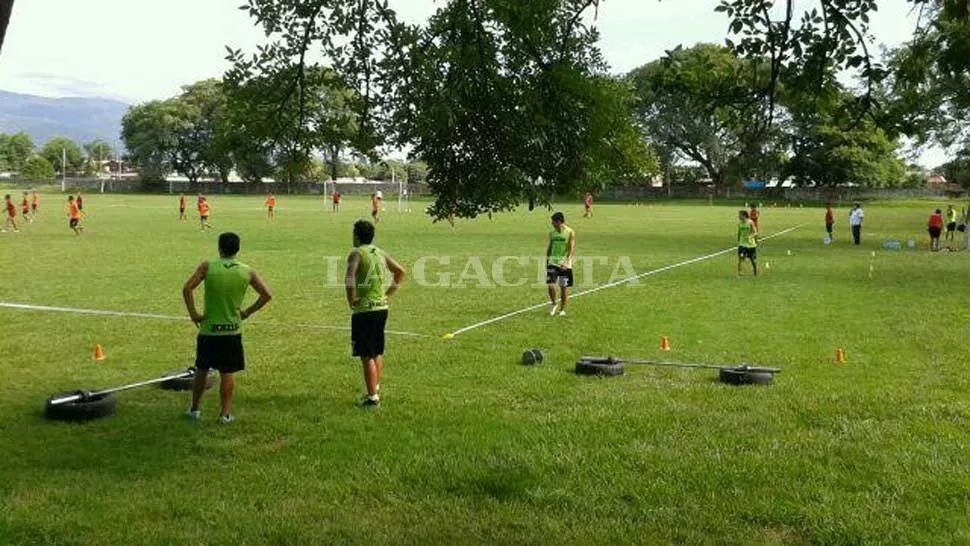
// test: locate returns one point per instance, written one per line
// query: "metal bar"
(75, 397)
(666, 364)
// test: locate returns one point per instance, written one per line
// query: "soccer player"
(588, 203)
(368, 300)
(935, 226)
(25, 209)
(829, 219)
(754, 214)
(74, 215)
(182, 217)
(35, 204)
(560, 253)
(747, 241)
(219, 343)
(270, 206)
(80, 202)
(204, 214)
(951, 224)
(375, 208)
(11, 220)
(855, 222)
(335, 201)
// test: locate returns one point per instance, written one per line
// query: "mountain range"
(79, 119)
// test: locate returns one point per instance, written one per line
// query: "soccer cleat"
(226, 419)
(552, 312)
(194, 415)
(562, 313)
(371, 401)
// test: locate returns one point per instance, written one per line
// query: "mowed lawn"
(469, 446)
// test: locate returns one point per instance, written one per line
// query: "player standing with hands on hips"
(559, 262)
(855, 222)
(368, 299)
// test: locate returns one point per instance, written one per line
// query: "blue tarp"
(754, 185)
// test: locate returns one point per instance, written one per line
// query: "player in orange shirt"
(588, 203)
(335, 198)
(829, 220)
(935, 227)
(35, 204)
(25, 209)
(182, 208)
(204, 214)
(270, 206)
(74, 215)
(11, 216)
(375, 207)
(754, 215)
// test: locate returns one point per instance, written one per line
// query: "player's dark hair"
(70, 198)
(744, 214)
(559, 217)
(6, 196)
(228, 244)
(364, 232)
(938, 211)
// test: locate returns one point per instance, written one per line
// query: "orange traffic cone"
(98, 353)
(839, 355)
(664, 343)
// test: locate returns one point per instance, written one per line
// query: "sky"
(139, 50)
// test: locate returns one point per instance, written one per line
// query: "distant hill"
(79, 119)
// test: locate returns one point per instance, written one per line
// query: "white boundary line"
(612, 284)
(29, 307)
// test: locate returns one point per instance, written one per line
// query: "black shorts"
(828, 228)
(558, 275)
(73, 223)
(204, 218)
(221, 353)
(745, 252)
(367, 333)
(952, 226)
(935, 232)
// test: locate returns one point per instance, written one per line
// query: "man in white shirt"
(855, 222)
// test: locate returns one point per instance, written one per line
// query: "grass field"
(469, 446)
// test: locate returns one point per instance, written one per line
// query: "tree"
(63, 153)
(37, 168)
(96, 152)
(864, 156)
(148, 131)
(701, 105)
(4, 161)
(957, 171)
(20, 147)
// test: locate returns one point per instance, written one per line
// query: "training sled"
(84, 405)
(736, 375)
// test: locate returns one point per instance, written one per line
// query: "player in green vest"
(951, 223)
(560, 254)
(368, 297)
(219, 343)
(747, 241)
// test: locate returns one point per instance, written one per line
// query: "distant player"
(951, 223)
(204, 215)
(829, 220)
(80, 202)
(335, 201)
(588, 204)
(25, 209)
(368, 300)
(747, 241)
(182, 217)
(35, 203)
(270, 206)
(560, 253)
(375, 208)
(74, 215)
(754, 214)
(11, 216)
(219, 343)
(935, 226)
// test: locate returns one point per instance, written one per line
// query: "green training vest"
(370, 280)
(746, 235)
(560, 244)
(225, 285)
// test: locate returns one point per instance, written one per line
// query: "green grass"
(469, 446)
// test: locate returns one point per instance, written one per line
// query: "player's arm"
(188, 290)
(397, 270)
(571, 253)
(549, 249)
(259, 285)
(754, 227)
(350, 280)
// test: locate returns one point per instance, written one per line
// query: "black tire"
(532, 357)
(86, 409)
(604, 368)
(740, 376)
(185, 383)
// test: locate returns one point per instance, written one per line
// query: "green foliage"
(19, 148)
(148, 131)
(37, 168)
(863, 156)
(957, 171)
(63, 153)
